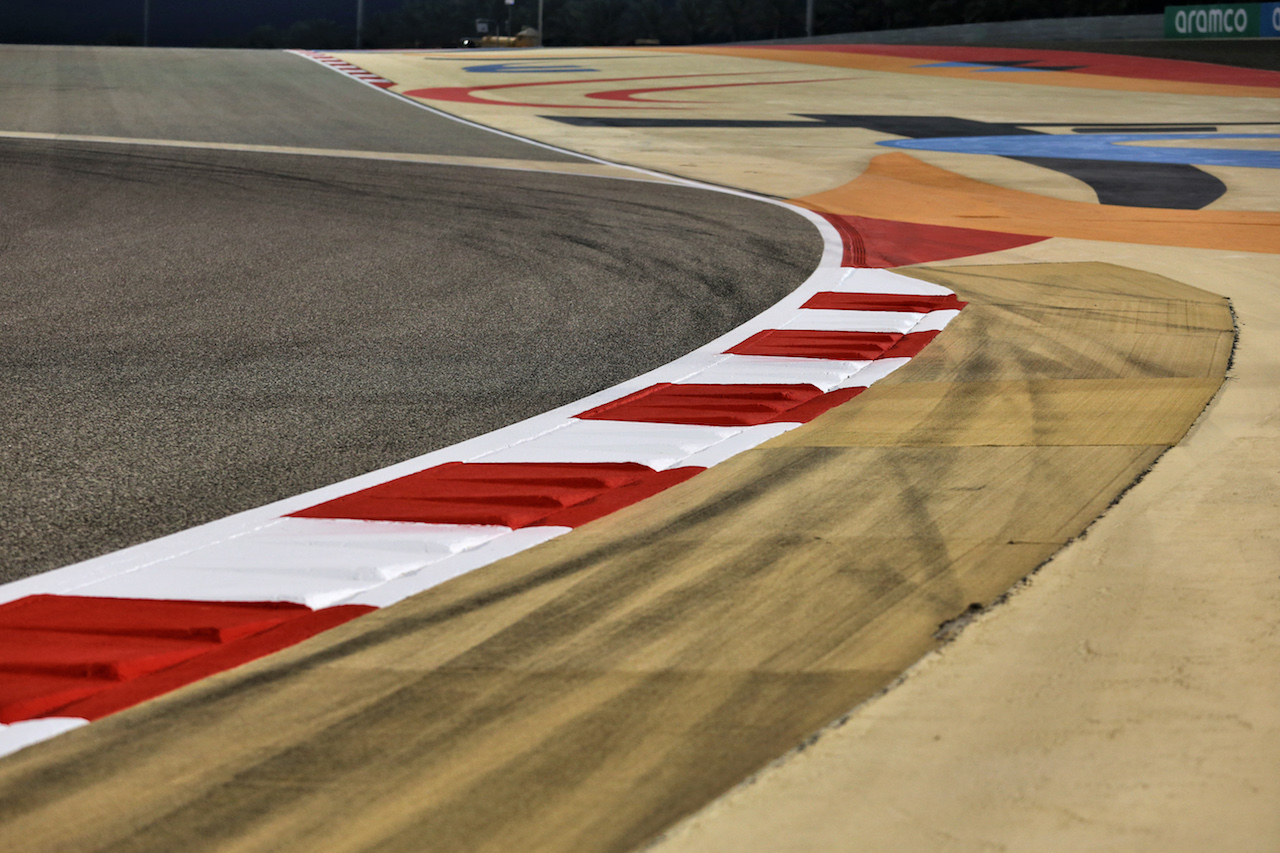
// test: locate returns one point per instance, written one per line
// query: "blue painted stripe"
(1104, 146)
(514, 68)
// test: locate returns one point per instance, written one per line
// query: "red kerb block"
(915, 304)
(511, 494)
(720, 405)
(87, 657)
(839, 346)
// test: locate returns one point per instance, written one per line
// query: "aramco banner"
(1221, 21)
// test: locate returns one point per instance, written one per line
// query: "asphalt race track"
(968, 543)
(229, 96)
(191, 333)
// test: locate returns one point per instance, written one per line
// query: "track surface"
(235, 96)
(193, 333)
(589, 692)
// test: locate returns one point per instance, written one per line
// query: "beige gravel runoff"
(1126, 698)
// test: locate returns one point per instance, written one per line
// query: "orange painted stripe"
(898, 186)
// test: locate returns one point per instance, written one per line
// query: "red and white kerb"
(85, 641)
(344, 67)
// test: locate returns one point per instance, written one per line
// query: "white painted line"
(819, 320)
(179, 582)
(437, 573)
(862, 280)
(935, 321)
(660, 446)
(748, 438)
(873, 372)
(316, 562)
(729, 369)
(16, 736)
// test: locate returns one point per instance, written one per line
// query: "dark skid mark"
(913, 127)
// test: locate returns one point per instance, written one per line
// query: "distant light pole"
(360, 23)
(808, 18)
(540, 41)
(146, 23)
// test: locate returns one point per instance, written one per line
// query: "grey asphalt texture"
(188, 333)
(258, 97)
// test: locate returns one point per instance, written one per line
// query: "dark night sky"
(173, 22)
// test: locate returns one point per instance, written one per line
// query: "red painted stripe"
(1111, 65)
(843, 346)
(910, 345)
(631, 94)
(915, 304)
(620, 498)
(717, 405)
(882, 243)
(846, 346)
(71, 655)
(464, 94)
(220, 659)
(512, 494)
(97, 653)
(357, 72)
(855, 248)
(806, 412)
(26, 696)
(193, 620)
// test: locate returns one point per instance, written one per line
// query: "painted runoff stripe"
(344, 67)
(85, 641)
